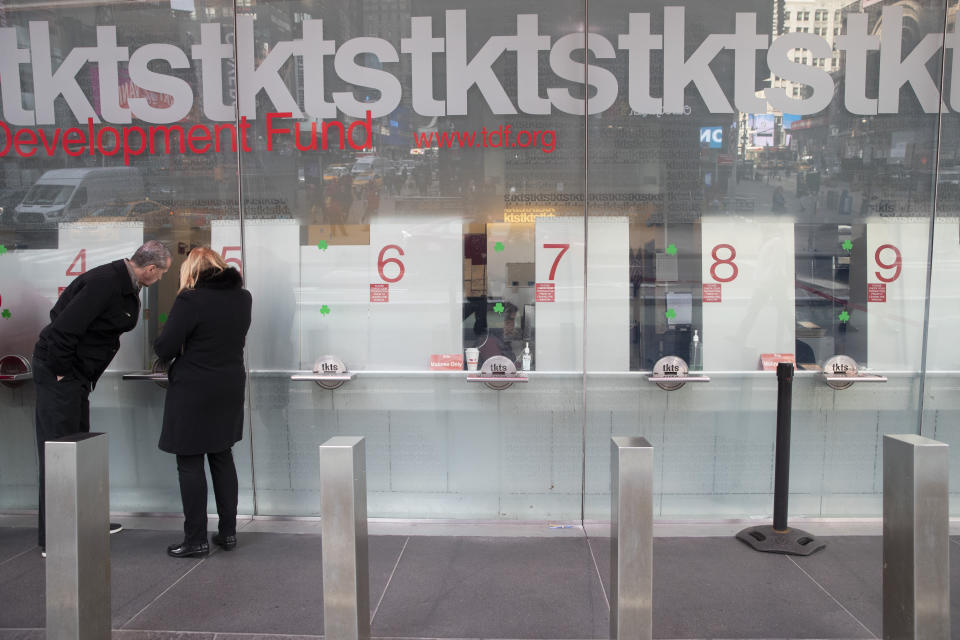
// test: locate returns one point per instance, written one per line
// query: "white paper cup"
(473, 357)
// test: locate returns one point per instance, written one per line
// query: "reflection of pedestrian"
(779, 199)
(203, 412)
(423, 179)
(345, 194)
(373, 193)
(75, 349)
(315, 200)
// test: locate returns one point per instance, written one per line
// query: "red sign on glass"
(768, 361)
(546, 292)
(876, 292)
(446, 361)
(379, 293)
(711, 292)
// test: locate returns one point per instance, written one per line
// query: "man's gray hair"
(153, 252)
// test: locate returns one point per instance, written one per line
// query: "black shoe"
(225, 542)
(184, 550)
(116, 527)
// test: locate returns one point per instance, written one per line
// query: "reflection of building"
(759, 131)
(884, 158)
(822, 18)
(390, 20)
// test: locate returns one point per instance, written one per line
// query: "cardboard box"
(339, 234)
(807, 329)
(478, 272)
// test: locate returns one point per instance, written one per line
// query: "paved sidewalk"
(534, 583)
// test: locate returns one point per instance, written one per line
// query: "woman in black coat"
(203, 414)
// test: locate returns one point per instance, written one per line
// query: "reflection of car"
(65, 194)
(365, 168)
(949, 175)
(146, 210)
(948, 194)
(334, 171)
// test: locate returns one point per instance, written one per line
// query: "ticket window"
(830, 292)
(665, 299)
(64, 214)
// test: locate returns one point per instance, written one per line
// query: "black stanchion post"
(781, 474)
(780, 538)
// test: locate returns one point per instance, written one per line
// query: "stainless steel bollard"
(78, 537)
(343, 506)
(916, 543)
(631, 539)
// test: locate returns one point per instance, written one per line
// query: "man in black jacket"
(82, 338)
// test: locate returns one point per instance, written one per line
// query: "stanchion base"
(792, 542)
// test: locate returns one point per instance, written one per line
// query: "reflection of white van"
(64, 194)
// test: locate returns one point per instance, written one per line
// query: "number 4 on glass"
(82, 260)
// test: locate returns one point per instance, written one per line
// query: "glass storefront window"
(573, 192)
(70, 206)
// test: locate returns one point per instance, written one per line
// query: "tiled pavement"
(538, 584)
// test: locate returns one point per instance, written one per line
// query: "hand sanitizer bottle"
(696, 353)
(525, 360)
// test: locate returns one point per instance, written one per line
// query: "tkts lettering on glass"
(896, 69)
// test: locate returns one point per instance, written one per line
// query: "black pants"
(193, 493)
(63, 409)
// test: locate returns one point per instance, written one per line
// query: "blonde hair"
(199, 260)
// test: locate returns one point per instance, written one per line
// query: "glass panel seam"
(586, 250)
(243, 260)
(933, 221)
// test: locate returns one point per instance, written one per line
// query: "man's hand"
(59, 378)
